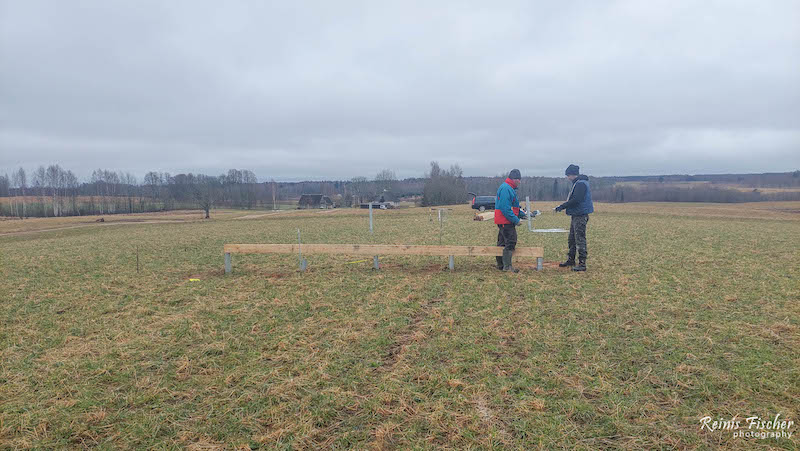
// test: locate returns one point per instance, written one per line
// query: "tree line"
(55, 191)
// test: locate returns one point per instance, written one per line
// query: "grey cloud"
(338, 89)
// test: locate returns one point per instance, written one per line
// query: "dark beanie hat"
(514, 174)
(572, 169)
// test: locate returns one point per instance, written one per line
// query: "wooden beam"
(486, 216)
(379, 249)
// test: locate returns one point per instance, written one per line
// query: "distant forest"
(55, 191)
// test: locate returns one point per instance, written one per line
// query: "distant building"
(314, 201)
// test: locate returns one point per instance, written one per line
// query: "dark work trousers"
(506, 238)
(577, 237)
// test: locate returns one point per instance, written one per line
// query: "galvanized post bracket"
(302, 260)
(228, 268)
(528, 206)
(370, 218)
(452, 263)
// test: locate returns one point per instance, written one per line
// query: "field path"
(262, 215)
(114, 221)
(97, 224)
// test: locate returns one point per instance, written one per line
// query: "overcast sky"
(337, 89)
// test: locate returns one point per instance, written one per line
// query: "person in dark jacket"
(578, 206)
(507, 215)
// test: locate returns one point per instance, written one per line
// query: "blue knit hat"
(572, 169)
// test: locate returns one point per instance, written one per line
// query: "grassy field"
(686, 311)
(734, 186)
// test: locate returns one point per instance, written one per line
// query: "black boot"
(507, 262)
(499, 263)
(570, 262)
(581, 265)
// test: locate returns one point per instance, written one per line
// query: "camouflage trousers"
(577, 237)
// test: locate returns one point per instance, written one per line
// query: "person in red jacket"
(507, 215)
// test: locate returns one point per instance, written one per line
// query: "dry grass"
(765, 190)
(687, 310)
(733, 186)
(748, 210)
(16, 226)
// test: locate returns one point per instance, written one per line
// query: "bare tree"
(274, 191)
(5, 185)
(39, 183)
(62, 185)
(5, 190)
(129, 183)
(386, 183)
(112, 188)
(14, 183)
(251, 184)
(205, 189)
(444, 187)
(22, 183)
(97, 180)
(71, 184)
(53, 183)
(359, 187)
(153, 182)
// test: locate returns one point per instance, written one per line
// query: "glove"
(559, 208)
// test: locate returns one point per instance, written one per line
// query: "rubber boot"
(581, 265)
(500, 263)
(507, 262)
(570, 262)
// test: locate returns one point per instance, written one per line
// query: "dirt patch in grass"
(490, 420)
(412, 333)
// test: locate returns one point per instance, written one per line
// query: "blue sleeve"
(504, 205)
